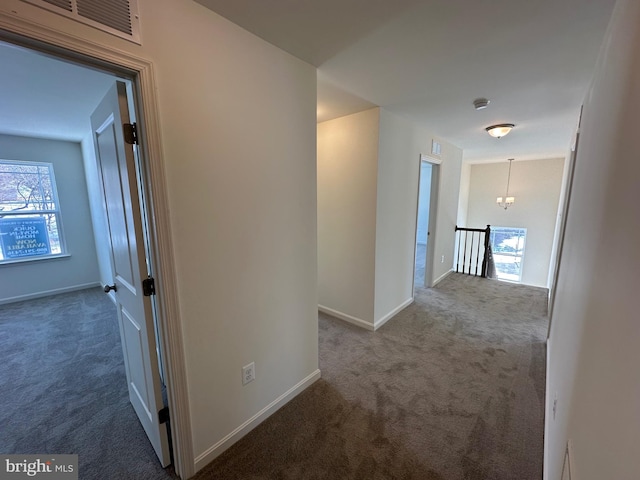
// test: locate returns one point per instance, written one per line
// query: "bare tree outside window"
(507, 245)
(29, 211)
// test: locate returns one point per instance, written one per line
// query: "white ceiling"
(423, 59)
(44, 97)
(429, 59)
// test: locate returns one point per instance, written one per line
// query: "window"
(30, 224)
(507, 245)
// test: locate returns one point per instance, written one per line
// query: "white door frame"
(43, 38)
(433, 211)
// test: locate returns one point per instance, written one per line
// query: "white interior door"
(116, 162)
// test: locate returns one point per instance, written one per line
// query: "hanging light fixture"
(506, 201)
(500, 130)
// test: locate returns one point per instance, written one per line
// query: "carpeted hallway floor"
(452, 388)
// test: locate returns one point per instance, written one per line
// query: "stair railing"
(472, 244)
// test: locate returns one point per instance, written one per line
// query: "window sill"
(22, 261)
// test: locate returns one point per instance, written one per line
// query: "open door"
(428, 185)
(116, 162)
(421, 278)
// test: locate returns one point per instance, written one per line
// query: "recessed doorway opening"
(425, 222)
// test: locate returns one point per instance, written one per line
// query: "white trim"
(392, 313)
(212, 452)
(430, 159)
(347, 318)
(48, 293)
(441, 277)
(27, 260)
(547, 416)
(162, 250)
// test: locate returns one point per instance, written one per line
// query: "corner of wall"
(347, 170)
(450, 174)
(96, 206)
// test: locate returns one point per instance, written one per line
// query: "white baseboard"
(392, 313)
(347, 318)
(48, 293)
(441, 277)
(214, 451)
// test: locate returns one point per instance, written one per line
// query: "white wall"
(463, 204)
(593, 347)
(97, 208)
(536, 185)
(238, 127)
(447, 210)
(367, 219)
(557, 235)
(347, 177)
(21, 281)
(401, 144)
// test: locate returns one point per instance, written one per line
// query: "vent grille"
(115, 13)
(66, 4)
(118, 17)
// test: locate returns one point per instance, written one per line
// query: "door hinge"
(163, 415)
(130, 133)
(149, 287)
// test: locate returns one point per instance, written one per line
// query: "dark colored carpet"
(451, 388)
(63, 388)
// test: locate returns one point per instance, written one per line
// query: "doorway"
(136, 176)
(425, 223)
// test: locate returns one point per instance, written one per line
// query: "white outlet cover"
(248, 373)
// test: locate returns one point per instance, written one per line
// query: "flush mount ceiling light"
(500, 130)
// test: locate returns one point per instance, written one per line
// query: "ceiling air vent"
(66, 4)
(118, 17)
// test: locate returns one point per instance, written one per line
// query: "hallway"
(452, 388)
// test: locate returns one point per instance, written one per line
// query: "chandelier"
(506, 201)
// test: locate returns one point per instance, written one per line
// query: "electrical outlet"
(442, 259)
(248, 373)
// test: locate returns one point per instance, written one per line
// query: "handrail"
(473, 261)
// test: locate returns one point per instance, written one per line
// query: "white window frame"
(22, 213)
(509, 254)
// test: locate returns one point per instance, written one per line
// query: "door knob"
(108, 288)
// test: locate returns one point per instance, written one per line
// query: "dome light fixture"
(500, 130)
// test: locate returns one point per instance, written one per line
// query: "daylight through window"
(29, 212)
(507, 245)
